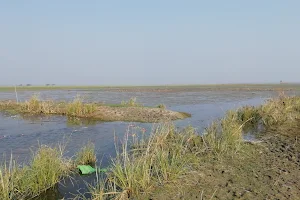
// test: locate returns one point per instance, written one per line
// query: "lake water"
(18, 134)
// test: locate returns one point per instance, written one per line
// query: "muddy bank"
(93, 111)
(137, 114)
(266, 170)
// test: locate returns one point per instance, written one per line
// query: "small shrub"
(32, 105)
(35, 105)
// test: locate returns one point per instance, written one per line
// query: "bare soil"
(140, 114)
(267, 170)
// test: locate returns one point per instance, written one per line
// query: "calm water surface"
(18, 134)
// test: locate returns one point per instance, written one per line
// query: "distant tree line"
(48, 84)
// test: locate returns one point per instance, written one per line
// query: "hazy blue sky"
(149, 42)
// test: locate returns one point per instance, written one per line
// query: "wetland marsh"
(227, 176)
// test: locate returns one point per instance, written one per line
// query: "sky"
(153, 42)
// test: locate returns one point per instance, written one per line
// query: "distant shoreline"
(162, 88)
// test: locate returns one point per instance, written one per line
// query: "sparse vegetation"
(131, 102)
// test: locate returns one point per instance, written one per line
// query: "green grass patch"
(86, 155)
(45, 170)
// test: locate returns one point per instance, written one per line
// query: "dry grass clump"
(80, 109)
(35, 105)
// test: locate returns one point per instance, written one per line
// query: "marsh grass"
(167, 157)
(170, 157)
(282, 112)
(45, 170)
(9, 175)
(86, 155)
(132, 102)
(80, 109)
(225, 136)
(75, 108)
(35, 105)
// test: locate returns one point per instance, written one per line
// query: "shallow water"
(20, 134)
